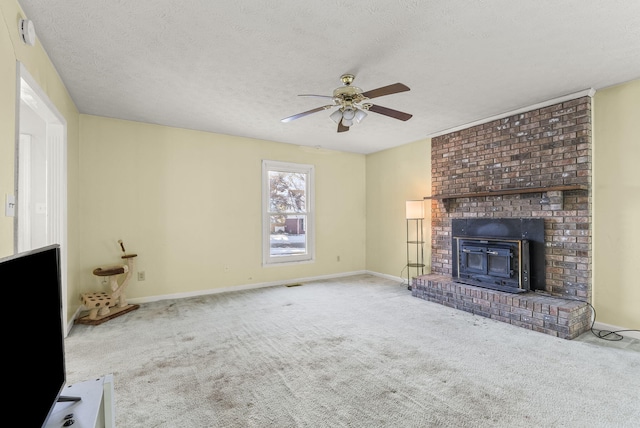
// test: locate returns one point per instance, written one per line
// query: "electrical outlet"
(338, 258)
(141, 276)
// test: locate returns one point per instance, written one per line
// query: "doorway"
(41, 177)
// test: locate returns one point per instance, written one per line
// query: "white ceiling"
(237, 67)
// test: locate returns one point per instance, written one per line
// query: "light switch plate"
(10, 206)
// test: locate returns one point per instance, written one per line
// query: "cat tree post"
(105, 306)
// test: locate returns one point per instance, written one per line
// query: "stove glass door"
(499, 262)
(474, 260)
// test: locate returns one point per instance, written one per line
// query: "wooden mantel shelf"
(510, 191)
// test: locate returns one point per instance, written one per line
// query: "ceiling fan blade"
(386, 90)
(390, 112)
(305, 113)
(342, 128)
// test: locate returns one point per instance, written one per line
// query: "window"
(287, 209)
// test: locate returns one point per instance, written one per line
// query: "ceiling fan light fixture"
(353, 104)
(348, 114)
(336, 116)
(360, 115)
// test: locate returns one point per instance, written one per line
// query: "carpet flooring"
(357, 351)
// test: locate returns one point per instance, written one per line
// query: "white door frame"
(56, 158)
(23, 217)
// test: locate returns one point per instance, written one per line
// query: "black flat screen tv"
(34, 355)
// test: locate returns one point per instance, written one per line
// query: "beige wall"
(41, 69)
(7, 127)
(616, 201)
(189, 203)
(393, 177)
(168, 194)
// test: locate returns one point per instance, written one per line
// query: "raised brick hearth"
(543, 148)
(558, 317)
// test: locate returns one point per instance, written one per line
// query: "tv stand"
(89, 404)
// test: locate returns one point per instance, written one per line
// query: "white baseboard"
(386, 276)
(71, 322)
(149, 299)
(608, 327)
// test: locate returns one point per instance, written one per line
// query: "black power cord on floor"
(600, 334)
(402, 273)
(604, 334)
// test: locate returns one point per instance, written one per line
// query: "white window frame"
(309, 256)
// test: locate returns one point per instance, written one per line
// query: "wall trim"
(586, 92)
(608, 327)
(389, 277)
(157, 298)
(240, 287)
(597, 325)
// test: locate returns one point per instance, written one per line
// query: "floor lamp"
(415, 238)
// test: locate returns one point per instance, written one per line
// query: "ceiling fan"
(353, 103)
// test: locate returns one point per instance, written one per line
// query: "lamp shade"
(415, 209)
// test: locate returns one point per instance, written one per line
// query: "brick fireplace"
(532, 165)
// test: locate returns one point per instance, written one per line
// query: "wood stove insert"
(500, 264)
(505, 254)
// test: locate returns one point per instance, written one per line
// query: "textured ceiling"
(237, 67)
